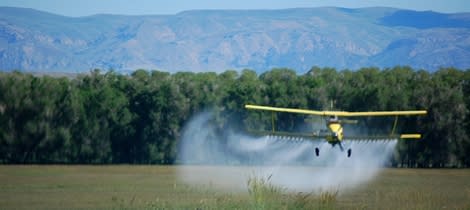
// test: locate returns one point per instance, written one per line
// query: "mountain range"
(217, 40)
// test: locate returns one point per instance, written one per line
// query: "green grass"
(157, 187)
(265, 195)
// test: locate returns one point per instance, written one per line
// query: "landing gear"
(349, 151)
(342, 149)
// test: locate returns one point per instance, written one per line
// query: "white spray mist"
(228, 163)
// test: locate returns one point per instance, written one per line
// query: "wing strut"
(394, 125)
(272, 121)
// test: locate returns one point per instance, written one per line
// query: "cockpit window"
(333, 118)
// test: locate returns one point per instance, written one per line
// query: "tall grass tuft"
(327, 199)
(265, 195)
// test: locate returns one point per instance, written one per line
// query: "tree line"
(107, 117)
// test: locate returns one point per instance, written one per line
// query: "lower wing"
(321, 136)
(382, 138)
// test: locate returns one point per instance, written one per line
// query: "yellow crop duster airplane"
(334, 134)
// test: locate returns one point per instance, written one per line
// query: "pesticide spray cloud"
(228, 163)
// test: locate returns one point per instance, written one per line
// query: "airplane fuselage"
(336, 130)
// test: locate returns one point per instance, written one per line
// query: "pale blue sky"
(141, 7)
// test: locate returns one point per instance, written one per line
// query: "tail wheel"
(317, 151)
(349, 152)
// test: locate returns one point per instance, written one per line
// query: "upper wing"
(337, 113)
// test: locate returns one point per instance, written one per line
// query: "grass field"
(157, 187)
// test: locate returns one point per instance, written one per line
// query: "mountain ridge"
(217, 40)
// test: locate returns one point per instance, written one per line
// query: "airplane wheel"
(349, 152)
(317, 151)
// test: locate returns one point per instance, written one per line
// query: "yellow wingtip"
(410, 136)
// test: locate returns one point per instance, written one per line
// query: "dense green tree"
(106, 117)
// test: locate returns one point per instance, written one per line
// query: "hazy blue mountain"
(217, 40)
